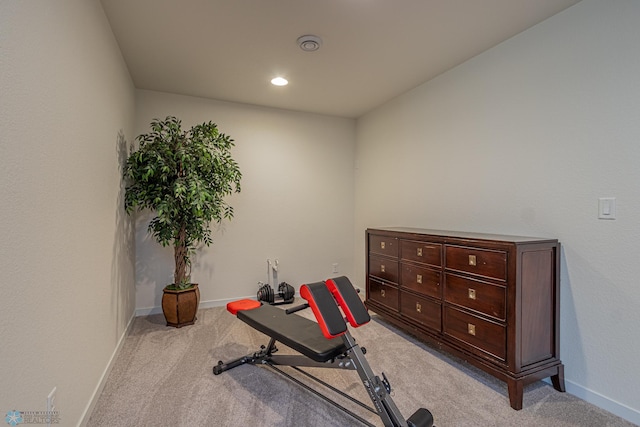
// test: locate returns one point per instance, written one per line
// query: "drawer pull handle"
(419, 278)
(471, 328)
(472, 293)
(381, 245)
(418, 307)
(382, 293)
(382, 268)
(472, 260)
(419, 251)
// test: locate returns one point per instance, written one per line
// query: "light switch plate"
(607, 208)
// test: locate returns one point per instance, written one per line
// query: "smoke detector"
(309, 43)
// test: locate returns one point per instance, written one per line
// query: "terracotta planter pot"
(180, 306)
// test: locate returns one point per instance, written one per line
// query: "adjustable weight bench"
(325, 344)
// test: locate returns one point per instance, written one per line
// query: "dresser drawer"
(423, 252)
(383, 245)
(383, 294)
(487, 336)
(421, 279)
(383, 268)
(422, 310)
(482, 262)
(476, 295)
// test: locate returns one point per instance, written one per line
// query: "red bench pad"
(325, 309)
(347, 298)
(242, 304)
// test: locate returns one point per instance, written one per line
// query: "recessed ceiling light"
(279, 81)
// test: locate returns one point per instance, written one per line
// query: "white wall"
(296, 203)
(66, 252)
(524, 139)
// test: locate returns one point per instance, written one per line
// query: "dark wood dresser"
(492, 300)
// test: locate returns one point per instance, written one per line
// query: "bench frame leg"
(353, 359)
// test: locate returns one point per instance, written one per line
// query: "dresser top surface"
(462, 235)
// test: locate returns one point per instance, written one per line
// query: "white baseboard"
(203, 304)
(84, 419)
(603, 402)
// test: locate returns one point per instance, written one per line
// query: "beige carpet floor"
(163, 377)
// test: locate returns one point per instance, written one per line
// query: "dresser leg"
(558, 379)
(516, 389)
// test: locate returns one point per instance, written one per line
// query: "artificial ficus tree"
(183, 176)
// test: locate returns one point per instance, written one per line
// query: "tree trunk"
(180, 258)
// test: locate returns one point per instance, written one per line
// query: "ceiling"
(372, 50)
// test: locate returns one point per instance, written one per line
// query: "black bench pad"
(299, 333)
